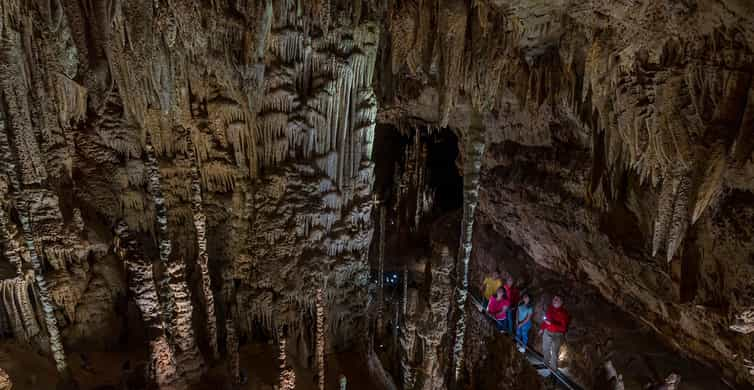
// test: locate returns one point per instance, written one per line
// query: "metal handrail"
(562, 379)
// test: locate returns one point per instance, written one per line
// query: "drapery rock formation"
(254, 120)
(180, 179)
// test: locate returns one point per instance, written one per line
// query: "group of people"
(513, 313)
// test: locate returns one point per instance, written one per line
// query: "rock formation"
(201, 183)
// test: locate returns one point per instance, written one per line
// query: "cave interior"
(308, 194)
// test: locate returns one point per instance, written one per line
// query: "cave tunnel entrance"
(429, 165)
(416, 179)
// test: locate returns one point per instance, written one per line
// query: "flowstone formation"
(221, 151)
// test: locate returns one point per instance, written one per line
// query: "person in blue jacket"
(523, 322)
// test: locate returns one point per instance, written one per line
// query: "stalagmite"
(472, 164)
(439, 304)
(231, 337)
(5, 382)
(232, 349)
(408, 338)
(320, 339)
(141, 283)
(202, 258)
(405, 291)
(287, 379)
(177, 307)
(380, 267)
(56, 343)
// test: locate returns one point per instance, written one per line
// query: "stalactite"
(664, 214)
(15, 89)
(177, 307)
(17, 308)
(56, 343)
(453, 19)
(202, 258)
(473, 153)
(143, 287)
(320, 355)
(7, 235)
(680, 222)
(14, 323)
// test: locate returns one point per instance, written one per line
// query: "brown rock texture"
(200, 174)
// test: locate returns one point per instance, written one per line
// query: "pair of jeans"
(551, 343)
(501, 324)
(510, 313)
(522, 333)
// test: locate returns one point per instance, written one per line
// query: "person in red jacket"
(498, 307)
(553, 331)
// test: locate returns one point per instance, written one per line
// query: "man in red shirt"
(553, 331)
(513, 296)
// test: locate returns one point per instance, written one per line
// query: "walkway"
(533, 357)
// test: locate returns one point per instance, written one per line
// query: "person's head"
(496, 273)
(557, 301)
(509, 281)
(525, 299)
(500, 294)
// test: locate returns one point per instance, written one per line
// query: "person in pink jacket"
(498, 308)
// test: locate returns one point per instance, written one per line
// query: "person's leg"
(546, 347)
(511, 320)
(557, 341)
(524, 331)
(500, 325)
(519, 339)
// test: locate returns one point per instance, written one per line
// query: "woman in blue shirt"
(523, 323)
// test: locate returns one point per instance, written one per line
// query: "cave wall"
(188, 152)
(618, 146)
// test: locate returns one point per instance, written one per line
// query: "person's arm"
(544, 323)
(492, 307)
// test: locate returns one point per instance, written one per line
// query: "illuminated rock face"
(228, 149)
(618, 148)
(221, 153)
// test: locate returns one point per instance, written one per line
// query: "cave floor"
(29, 370)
